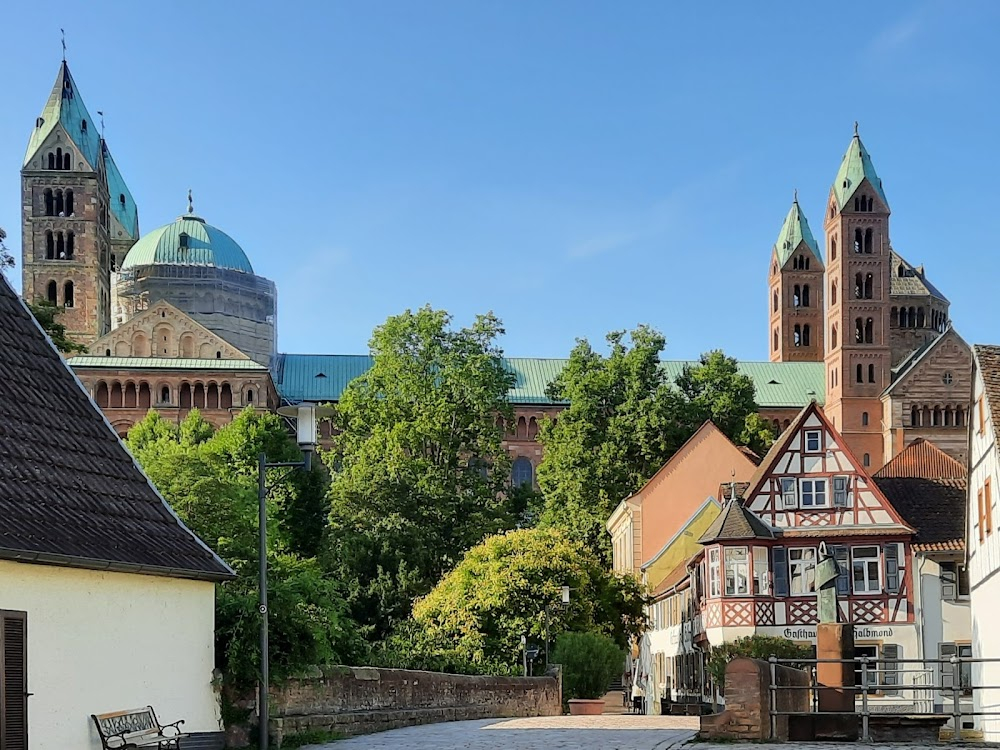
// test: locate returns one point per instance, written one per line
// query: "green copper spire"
(854, 169)
(794, 231)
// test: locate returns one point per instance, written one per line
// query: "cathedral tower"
(858, 357)
(78, 216)
(796, 292)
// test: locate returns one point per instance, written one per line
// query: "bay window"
(714, 587)
(760, 587)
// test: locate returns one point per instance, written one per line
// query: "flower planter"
(581, 707)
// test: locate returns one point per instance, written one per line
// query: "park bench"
(137, 728)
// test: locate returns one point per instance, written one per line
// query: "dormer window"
(813, 441)
(83, 125)
(184, 240)
(121, 198)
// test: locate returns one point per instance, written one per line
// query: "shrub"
(753, 647)
(589, 661)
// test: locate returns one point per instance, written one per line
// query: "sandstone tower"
(796, 285)
(78, 215)
(858, 357)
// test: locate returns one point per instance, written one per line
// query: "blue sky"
(574, 166)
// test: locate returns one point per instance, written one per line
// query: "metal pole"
(773, 661)
(865, 736)
(546, 623)
(262, 707)
(956, 697)
(524, 653)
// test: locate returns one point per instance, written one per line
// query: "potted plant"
(589, 662)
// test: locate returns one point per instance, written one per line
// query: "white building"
(106, 598)
(982, 541)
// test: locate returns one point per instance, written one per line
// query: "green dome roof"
(189, 241)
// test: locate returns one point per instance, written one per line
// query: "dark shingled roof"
(927, 487)
(988, 357)
(70, 492)
(736, 522)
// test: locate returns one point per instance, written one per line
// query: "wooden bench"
(135, 728)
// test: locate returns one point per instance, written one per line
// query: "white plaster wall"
(101, 642)
(984, 568)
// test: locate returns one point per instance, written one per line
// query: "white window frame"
(789, 492)
(866, 580)
(804, 558)
(818, 435)
(737, 571)
(714, 574)
(817, 488)
(761, 580)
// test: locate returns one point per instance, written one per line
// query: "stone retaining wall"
(358, 700)
(747, 715)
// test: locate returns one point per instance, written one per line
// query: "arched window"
(857, 205)
(797, 335)
(913, 317)
(805, 335)
(774, 304)
(522, 472)
(249, 395)
(959, 416)
(50, 246)
(212, 400)
(50, 205)
(70, 245)
(859, 331)
(144, 396)
(857, 241)
(894, 318)
(199, 396)
(52, 160)
(69, 202)
(866, 460)
(796, 296)
(107, 352)
(805, 295)
(115, 402)
(900, 271)
(859, 288)
(68, 294)
(66, 161)
(869, 284)
(833, 337)
(130, 401)
(165, 395)
(920, 317)
(948, 415)
(185, 398)
(870, 203)
(914, 416)
(59, 205)
(925, 417)
(226, 396)
(833, 293)
(806, 259)
(833, 248)
(859, 375)
(904, 318)
(532, 428)
(101, 395)
(869, 331)
(53, 293)
(871, 373)
(936, 416)
(832, 211)
(869, 240)
(775, 344)
(522, 429)
(864, 419)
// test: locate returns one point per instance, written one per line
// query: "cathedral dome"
(189, 241)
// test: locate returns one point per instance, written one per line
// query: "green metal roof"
(65, 106)
(161, 363)
(793, 232)
(206, 246)
(323, 377)
(854, 169)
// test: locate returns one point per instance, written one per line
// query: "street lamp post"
(562, 603)
(305, 435)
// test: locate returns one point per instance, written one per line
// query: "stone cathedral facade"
(176, 318)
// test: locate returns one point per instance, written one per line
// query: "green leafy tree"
(6, 259)
(589, 662)
(418, 469)
(210, 478)
(511, 585)
(624, 420)
(45, 313)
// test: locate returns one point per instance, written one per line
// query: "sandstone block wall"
(359, 700)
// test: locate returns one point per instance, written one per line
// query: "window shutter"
(13, 682)
(890, 667)
(840, 492)
(780, 571)
(892, 568)
(843, 564)
(946, 651)
(949, 588)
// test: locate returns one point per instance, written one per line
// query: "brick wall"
(359, 700)
(747, 715)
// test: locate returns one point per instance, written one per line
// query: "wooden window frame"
(988, 505)
(5, 741)
(982, 518)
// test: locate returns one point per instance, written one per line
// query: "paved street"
(608, 732)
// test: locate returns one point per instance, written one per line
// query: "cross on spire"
(856, 129)
(63, 33)
(190, 202)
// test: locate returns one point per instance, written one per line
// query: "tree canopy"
(624, 420)
(6, 259)
(419, 470)
(210, 478)
(45, 313)
(503, 586)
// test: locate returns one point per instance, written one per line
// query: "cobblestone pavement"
(608, 732)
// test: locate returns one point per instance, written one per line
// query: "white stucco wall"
(101, 642)
(984, 567)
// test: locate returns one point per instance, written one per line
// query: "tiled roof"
(925, 460)
(794, 232)
(912, 283)
(818, 532)
(736, 522)
(934, 507)
(70, 493)
(161, 363)
(323, 377)
(988, 359)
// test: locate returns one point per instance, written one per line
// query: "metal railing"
(871, 691)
